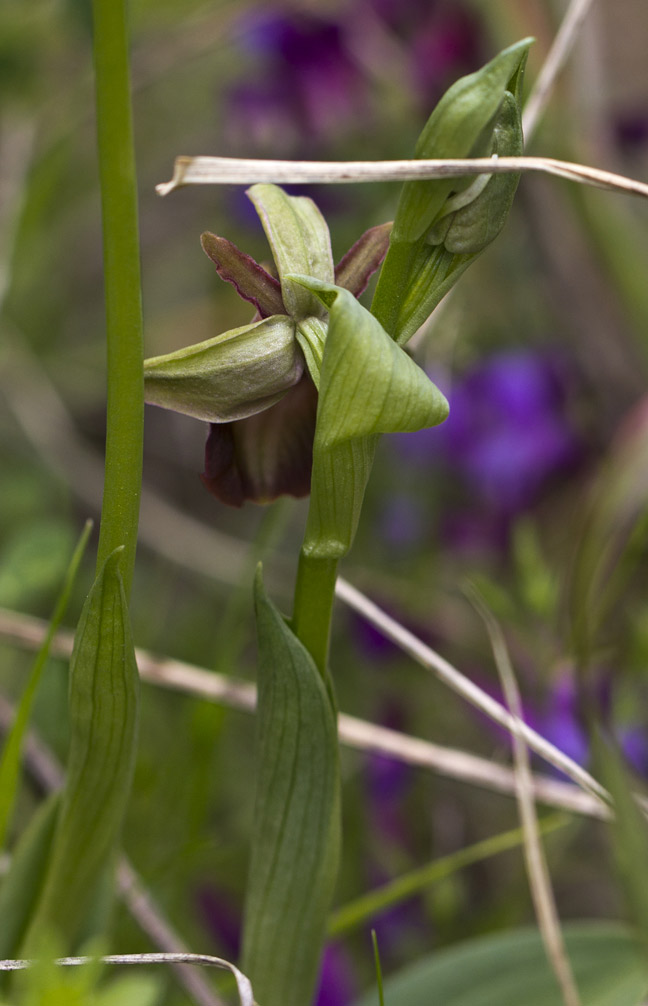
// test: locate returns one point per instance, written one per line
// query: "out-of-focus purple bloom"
(338, 985)
(403, 522)
(222, 920)
(308, 81)
(443, 40)
(631, 130)
(388, 781)
(634, 744)
(508, 432)
(307, 85)
(560, 722)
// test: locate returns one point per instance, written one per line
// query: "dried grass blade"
(536, 863)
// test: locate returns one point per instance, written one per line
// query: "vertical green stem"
(125, 412)
(314, 595)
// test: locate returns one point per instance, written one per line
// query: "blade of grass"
(536, 863)
(462, 686)
(557, 56)
(11, 753)
(26, 631)
(246, 171)
(361, 909)
(379, 980)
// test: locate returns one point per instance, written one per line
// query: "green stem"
(125, 409)
(314, 595)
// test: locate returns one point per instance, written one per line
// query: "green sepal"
(368, 386)
(104, 705)
(478, 116)
(300, 241)
(296, 834)
(232, 376)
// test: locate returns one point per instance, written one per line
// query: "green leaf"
(300, 241)
(511, 969)
(368, 386)
(295, 844)
(441, 225)
(232, 376)
(104, 689)
(629, 831)
(11, 752)
(22, 887)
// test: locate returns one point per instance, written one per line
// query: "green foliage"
(511, 969)
(11, 752)
(23, 885)
(443, 224)
(103, 733)
(49, 984)
(629, 832)
(295, 843)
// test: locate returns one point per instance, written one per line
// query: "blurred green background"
(542, 350)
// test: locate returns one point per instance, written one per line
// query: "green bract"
(443, 224)
(368, 385)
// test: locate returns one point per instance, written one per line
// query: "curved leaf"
(368, 386)
(229, 377)
(510, 969)
(295, 846)
(104, 689)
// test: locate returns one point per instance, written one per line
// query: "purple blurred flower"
(508, 432)
(338, 986)
(443, 41)
(308, 81)
(403, 522)
(221, 918)
(631, 130)
(307, 86)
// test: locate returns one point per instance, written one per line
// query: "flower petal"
(251, 281)
(234, 375)
(355, 269)
(300, 241)
(264, 456)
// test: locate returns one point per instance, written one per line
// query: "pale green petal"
(229, 377)
(300, 241)
(311, 336)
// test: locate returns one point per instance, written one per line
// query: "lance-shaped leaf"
(11, 752)
(295, 845)
(22, 887)
(229, 377)
(300, 241)
(103, 703)
(477, 116)
(368, 386)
